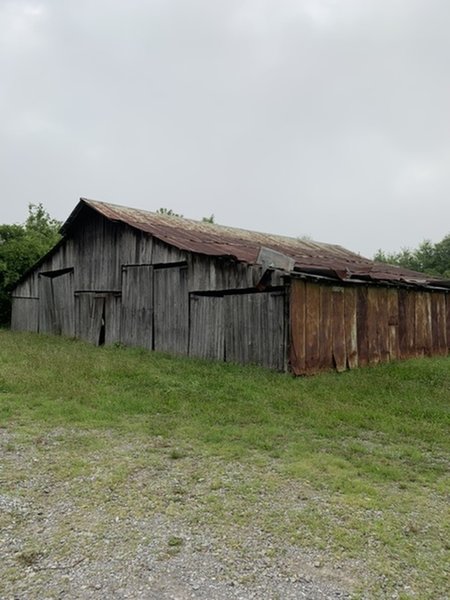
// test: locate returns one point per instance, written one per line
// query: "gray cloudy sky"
(327, 118)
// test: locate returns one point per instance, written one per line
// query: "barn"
(161, 282)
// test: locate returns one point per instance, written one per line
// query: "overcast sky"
(326, 118)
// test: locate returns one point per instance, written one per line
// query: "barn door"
(206, 332)
(137, 306)
(56, 303)
(255, 329)
(89, 316)
(97, 317)
(171, 309)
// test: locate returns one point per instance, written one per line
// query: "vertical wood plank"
(207, 327)
(254, 329)
(136, 319)
(297, 314)
(362, 327)
(351, 331)
(407, 326)
(312, 323)
(112, 318)
(372, 326)
(47, 315)
(393, 319)
(25, 314)
(339, 353)
(171, 310)
(423, 324)
(325, 329)
(96, 319)
(383, 324)
(64, 303)
(438, 324)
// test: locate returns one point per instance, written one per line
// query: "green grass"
(357, 463)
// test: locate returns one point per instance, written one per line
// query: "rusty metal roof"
(217, 240)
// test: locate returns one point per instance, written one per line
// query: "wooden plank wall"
(136, 328)
(25, 314)
(207, 327)
(64, 303)
(345, 327)
(47, 316)
(254, 329)
(87, 317)
(171, 309)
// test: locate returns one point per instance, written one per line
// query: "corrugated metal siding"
(368, 325)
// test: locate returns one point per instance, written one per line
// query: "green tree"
(209, 219)
(430, 258)
(20, 247)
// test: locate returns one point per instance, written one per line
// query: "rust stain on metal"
(309, 257)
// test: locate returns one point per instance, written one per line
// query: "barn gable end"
(170, 284)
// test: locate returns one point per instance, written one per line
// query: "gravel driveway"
(84, 528)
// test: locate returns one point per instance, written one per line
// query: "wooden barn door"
(137, 306)
(56, 303)
(255, 329)
(98, 317)
(207, 327)
(171, 309)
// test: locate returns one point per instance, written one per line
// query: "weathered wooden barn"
(171, 284)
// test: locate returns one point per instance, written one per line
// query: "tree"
(209, 219)
(430, 258)
(20, 247)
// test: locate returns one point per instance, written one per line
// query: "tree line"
(20, 247)
(430, 258)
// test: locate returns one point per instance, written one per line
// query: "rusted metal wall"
(334, 327)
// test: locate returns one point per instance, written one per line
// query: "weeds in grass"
(356, 465)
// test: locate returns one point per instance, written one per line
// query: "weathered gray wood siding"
(171, 309)
(56, 303)
(242, 328)
(97, 317)
(255, 329)
(87, 317)
(219, 274)
(207, 327)
(137, 306)
(25, 314)
(127, 286)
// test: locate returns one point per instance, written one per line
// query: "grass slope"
(353, 467)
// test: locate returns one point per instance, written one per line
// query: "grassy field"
(353, 467)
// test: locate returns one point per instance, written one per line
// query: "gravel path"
(77, 536)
